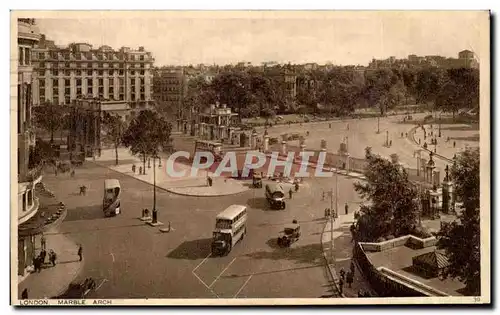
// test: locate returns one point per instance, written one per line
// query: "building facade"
(28, 175)
(169, 88)
(63, 75)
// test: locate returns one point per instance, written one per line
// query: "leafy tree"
(383, 89)
(394, 209)
(461, 91)
(409, 76)
(147, 134)
(461, 239)
(114, 127)
(50, 117)
(339, 91)
(429, 83)
(232, 88)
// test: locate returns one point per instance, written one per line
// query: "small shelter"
(431, 263)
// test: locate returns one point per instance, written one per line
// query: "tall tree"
(460, 92)
(461, 239)
(113, 127)
(232, 88)
(382, 89)
(49, 117)
(393, 207)
(147, 134)
(429, 83)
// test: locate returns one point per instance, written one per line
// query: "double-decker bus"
(112, 197)
(230, 227)
(209, 146)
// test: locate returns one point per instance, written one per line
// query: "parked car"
(78, 290)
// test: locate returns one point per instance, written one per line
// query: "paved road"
(129, 259)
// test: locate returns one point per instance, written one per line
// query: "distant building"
(64, 75)
(169, 87)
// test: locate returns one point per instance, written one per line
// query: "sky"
(182, 38)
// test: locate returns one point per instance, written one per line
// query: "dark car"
(289, 235)
(78, 290)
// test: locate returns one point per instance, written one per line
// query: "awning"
(45, 218)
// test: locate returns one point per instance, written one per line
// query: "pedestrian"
(72, 173)
(390, 143)
(326, 212)
(401, 135)
(140, 170)
(55, 170)
(290, 193)
(133, 168)
(43, 242)
(43, 254)
(342, 273)
(346, 208)
(210, 181)
(419, 141)
(341, 286)
(323, 197)
(296, 187)
(330, 126)
(406, 134)
(24, 294)
(454, 144)
(352, 267)
(350, 279)
(52, 257)
(80, 252)
(36, 264)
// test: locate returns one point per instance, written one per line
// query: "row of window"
(67, 82)
(88, 56)
(86, 65)
(67, 98)
(88, 72)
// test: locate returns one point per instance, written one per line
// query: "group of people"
(346, 277)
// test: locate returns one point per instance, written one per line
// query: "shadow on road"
(192, 250)
(311, 253)
(273, 243)
(85, 213)
(258, 203)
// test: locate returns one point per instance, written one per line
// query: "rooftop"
(400, 259)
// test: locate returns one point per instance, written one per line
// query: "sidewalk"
(52, 281)
(342, 254)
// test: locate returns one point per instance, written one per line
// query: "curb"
(166, 189)
(198, 195)
(330, 269)
(77, 273)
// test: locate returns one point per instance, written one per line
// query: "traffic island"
(158, 223)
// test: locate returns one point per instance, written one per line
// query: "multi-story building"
(28, 175)
(65, 74)
(169, 88)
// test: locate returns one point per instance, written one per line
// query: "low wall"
(411, 240)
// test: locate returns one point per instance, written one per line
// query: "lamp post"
(378, 124)
(155, 213)
(439, 135)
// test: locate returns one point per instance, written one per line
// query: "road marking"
(206, 286)
(102, 282)
(202, 262)
(222, 272)
(244, 284)
(112, 256)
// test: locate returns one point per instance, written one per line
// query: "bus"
(275, 195)
(230, 227)
(111, 200)
(209, 146)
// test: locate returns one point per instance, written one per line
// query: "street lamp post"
(439, 125)
(378, 124)
(155, 213)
